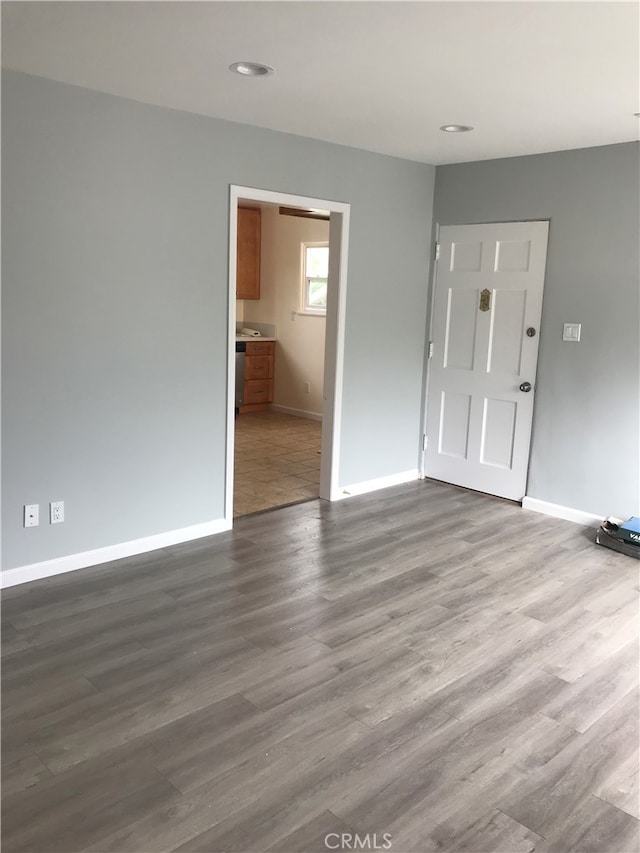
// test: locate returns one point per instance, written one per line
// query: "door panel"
(466, 256)
(504, 353)
(488, 291)
(498, 433)
(460, 333)
(512, 255)
(454, 425)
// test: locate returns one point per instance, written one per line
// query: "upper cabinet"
(248, 262)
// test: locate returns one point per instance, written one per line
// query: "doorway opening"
(287, 287)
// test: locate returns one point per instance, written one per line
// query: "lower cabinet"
(258, 376)
(258, 391)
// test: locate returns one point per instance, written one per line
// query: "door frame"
(334, 334)
(427, 357)
(427, 372)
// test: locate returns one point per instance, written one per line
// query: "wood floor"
(424, 662)
(277, 461)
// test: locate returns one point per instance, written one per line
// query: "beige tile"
(288, 469)
(291, 483)
(311, 463)
(309, 475)
(298, 456)
(308, 491)
(262, 474)
(277, 461)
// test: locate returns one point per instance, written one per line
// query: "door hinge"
(437, 252)
(430, 350)
(425, 441)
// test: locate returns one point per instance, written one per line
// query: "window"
(315, 261)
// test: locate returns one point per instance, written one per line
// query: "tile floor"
(277, 461)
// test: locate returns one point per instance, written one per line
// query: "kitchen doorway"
(279, 454)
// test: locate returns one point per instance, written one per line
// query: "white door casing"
(478, 418)
(334, 341)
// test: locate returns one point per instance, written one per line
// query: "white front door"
(486, 327)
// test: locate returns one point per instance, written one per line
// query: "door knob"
(526, 387)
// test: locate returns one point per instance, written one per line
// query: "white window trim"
(305, 309)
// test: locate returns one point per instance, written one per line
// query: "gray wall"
(585, 431)
(115, 245)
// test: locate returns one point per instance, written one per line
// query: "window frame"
(305, 307)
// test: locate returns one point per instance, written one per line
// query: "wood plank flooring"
(424, 662)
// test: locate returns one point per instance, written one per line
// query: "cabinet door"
(248, 258)
(260, 348)
(258, 367)
(258, 391)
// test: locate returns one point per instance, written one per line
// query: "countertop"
(253, 338)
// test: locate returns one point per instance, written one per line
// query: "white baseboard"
(36, 571)
(373, 485)
(566, 512)
(299, 413)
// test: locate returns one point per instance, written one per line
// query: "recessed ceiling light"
(251, 69)
(456, 128)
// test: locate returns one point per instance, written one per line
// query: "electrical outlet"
(56, 512)
(31, 515)
(307, 387)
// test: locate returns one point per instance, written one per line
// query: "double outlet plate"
(32, 513)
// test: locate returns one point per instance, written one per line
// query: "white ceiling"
(531, 77)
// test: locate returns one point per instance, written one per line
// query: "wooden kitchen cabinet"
(258, 376)
(256, 348)
(248, 254)
(258, 367)
(257, 391)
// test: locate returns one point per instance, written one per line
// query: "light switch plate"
(571, 332)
